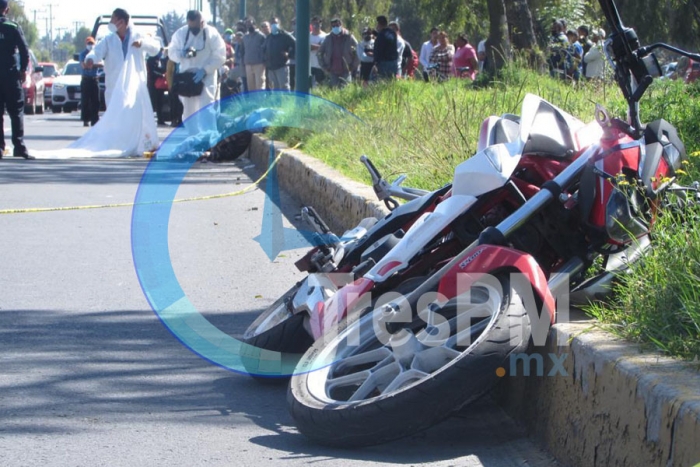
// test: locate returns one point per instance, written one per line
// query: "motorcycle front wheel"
(277, 329)
(365, 386)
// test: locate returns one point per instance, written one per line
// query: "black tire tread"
(410, 411)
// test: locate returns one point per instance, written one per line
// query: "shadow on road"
(66, 373)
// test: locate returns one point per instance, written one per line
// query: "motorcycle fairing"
(423, 231)
(490, 259)
(326, 315)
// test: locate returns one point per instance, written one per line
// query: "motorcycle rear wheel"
(347, 395)
(277, 330)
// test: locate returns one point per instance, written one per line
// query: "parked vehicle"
(33, 87)
(669, 70)
(693, 71)
(50, 72)
(65, 94)
(545, 205)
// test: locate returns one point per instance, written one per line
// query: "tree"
(17, 15)
(173, 22)
(497, 45)
(522, 33)
(80, 36)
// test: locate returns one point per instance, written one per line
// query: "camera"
(191, 52)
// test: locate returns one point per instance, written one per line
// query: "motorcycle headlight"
(622, 221)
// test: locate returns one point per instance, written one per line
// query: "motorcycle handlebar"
(612, 15)
(660, 45)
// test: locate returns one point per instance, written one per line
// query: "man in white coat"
(198, 47)
(113, 49)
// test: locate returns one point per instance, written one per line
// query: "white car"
(65, 94)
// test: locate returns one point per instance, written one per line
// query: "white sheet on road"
(126, 129)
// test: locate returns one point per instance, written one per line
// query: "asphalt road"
(88, 374)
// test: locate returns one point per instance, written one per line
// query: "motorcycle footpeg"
(364, 267)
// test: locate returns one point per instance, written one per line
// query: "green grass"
(658, 302)
(425, 129)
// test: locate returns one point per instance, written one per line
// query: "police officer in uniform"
(11, 79)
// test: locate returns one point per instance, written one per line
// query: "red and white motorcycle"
(479, 276)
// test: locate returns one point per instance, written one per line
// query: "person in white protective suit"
(127, 128)
(199, 48)
(114, 48)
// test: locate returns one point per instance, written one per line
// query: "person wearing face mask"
(89, 88)
(338, 54)
(117, 48)
(278, 49)
(253, 57)
(198, 48)
(127, 128)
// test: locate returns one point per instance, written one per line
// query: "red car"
(693, 71)
(50, 72)
(33, 87)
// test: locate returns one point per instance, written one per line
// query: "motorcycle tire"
(285, 334)
(407, 408)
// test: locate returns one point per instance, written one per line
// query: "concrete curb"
(615, 405)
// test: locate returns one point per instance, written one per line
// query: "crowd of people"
(263, 57)
(252, 56)
(576, 54)
(200, 66)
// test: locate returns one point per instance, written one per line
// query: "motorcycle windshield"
(546, 129)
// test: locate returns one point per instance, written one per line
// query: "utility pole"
(243, 11)
(303, 48)
(78, 25)
(50, 26)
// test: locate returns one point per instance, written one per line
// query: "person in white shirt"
(400, 43)
(316, 39)
(199, 48)
(595, 59)
(481, 54)
(426, 50)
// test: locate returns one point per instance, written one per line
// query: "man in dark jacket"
(338, 54)
(12, 74)
(278, 49)
(386, 54)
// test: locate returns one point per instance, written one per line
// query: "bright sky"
(65, 12)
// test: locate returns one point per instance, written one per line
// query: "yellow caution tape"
(253, 186)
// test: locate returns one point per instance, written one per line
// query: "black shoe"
(86, 124)
(94, 123)
(24, 154)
